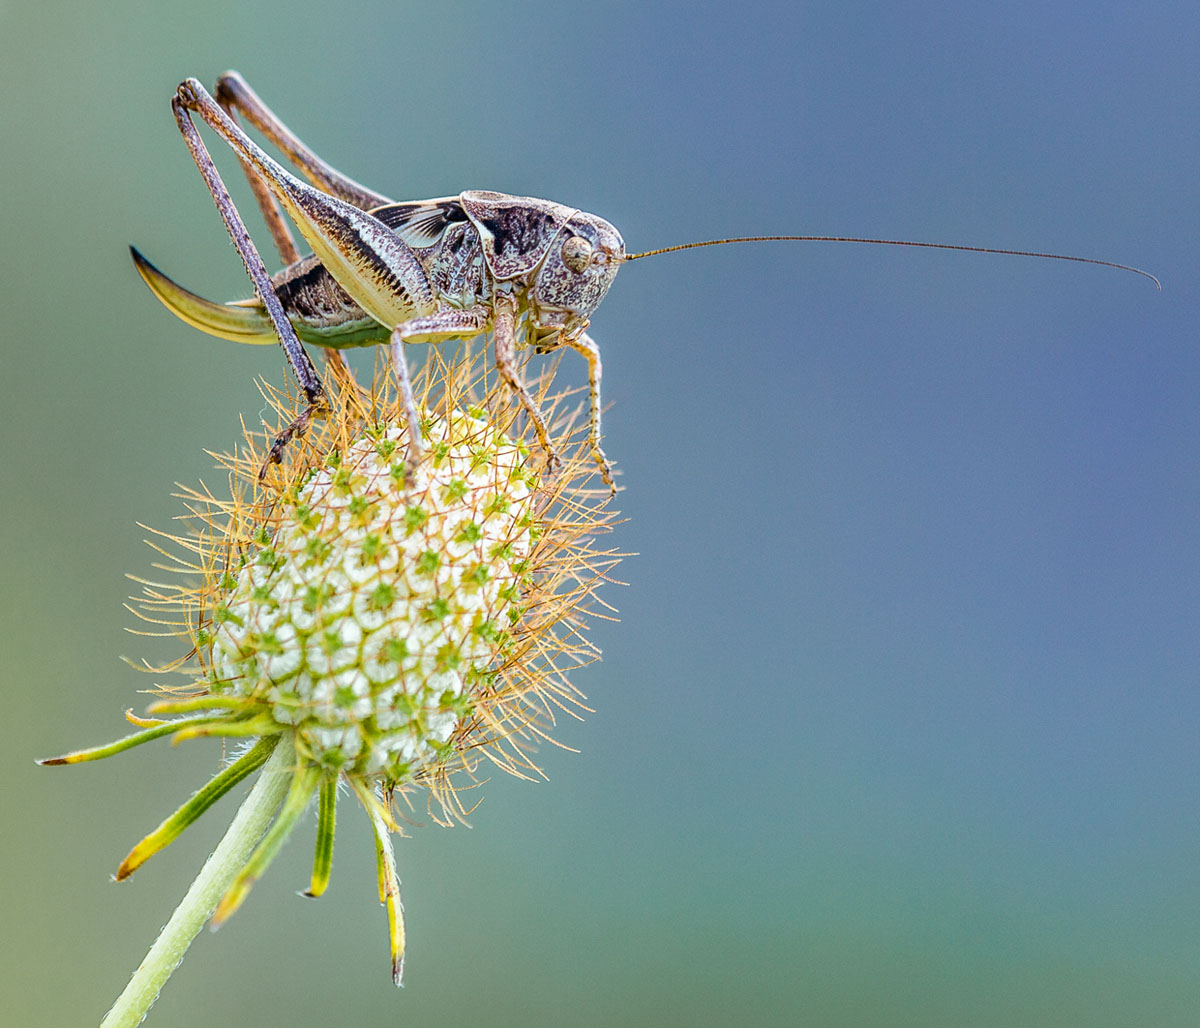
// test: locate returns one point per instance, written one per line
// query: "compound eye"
(576, 254)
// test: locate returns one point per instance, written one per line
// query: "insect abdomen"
(320, 310)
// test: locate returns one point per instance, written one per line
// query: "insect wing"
(424, 224)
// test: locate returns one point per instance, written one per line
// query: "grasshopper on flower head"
(532, 272)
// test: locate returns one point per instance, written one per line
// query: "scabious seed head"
(399, 617)
(371, 612)
(378, 617)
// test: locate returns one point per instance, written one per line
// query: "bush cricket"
(530, 271)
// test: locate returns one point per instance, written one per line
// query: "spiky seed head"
(392, 620)
(399, 619)
(371, 614)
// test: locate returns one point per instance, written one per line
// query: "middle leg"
(583, 344)
(451, 323)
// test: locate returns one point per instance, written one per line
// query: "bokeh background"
(899, 726)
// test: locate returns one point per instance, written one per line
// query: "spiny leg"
(232, 92)
(505, 333)
(235, 96)
(288, 253)
(284, 243)
(368, 260)
(297, 356)
(584, 345)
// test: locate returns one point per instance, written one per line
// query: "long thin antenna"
(897, 242)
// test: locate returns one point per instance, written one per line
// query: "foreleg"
(584, 345)
(505, 333)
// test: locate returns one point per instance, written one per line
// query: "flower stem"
(215, 877)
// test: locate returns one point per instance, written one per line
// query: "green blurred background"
(899, 726)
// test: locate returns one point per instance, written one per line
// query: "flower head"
(395, 620)
(370, 615)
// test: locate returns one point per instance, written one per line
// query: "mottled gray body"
(530, 271)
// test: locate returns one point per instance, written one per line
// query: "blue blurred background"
(899, 724)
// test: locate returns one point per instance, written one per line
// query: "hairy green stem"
(215, 877)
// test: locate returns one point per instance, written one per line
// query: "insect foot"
(297, 427)
(605, 466)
